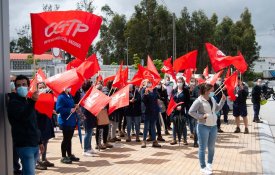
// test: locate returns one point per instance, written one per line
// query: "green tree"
(137, 60)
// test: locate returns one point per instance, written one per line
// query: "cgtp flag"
(230, 84)
(151, 66)
(89, 67)
(74, 64)
(187, 61)
(168, 68)
(147, 74)
(38, 78)
(72, 31)
(119, 99)
(94, 101)
(172, 105)
(239, 63)
(45, 104)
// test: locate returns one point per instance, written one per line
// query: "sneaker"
(205, 171)
(87, 154)
(107, 145)
(220, 130)
(185, 142)
(92, 151)
(141, 133)
(143, 144)
(160, 139)
(38, 166)
(209, 167)
(100, 147)
(173, 142)
(258, 121)
(47, 163)
(155, 144)
(246, 131)
(122, 134)
(128, 139)
(149, 139)
(238, 130)
(65, 160)
(73, 158)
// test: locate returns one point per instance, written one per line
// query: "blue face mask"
(22, 91)
(212, 94)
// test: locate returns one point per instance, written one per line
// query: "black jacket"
(241, 95)
(256, 94)
(134, 109)
(184, 96)
(22, 117)
(45, 125)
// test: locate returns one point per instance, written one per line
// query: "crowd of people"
(201, 111)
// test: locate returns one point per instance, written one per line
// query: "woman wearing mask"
(178, 116)
(204, 110)
(65, 107)
(150, 99)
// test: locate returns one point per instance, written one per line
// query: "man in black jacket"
(256, 99)
(25, 132)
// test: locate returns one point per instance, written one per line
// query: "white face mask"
(219, 82)
(42, 91)
(68, 90)
(158, 86)
(180, 85)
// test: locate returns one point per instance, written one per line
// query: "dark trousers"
(158, 124)
(256, 108)
(66, 145)
(225, 110)
(105, 132)
(122, 125)
(16, 165)
(44, 154)
(219, 120)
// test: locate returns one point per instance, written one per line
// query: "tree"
(137, 60)
(50, 7)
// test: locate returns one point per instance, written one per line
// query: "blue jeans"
(207, 137)
(190, 123)
(88, 139)
(256, 108)
(149, 124)
(28, 156)
(133, 120)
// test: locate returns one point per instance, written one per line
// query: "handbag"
(102, 117)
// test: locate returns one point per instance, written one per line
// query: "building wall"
(264, 63)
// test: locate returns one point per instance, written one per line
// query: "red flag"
(119, 99)
(200, 81)
(147, 74)
(33, 87)
(205, 72)
(168, 68)
(74, 64)
(124, 76)
(214, 78)
(230, 84)
(240, 63)
(72, 31)
(117, 81)
(89, 67)
(45, 104)
(186, 61)
(110, 78)
(95, 101)
(59, 82)
(172, 105)
(137, 79)
(151, 66)
(38, 78)
(188, 75)
(228, 73)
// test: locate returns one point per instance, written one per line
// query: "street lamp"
(127, 40)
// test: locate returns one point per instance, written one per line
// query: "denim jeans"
(133, 120)
(256, 108)
(190, 123)
(28, 156)
(149, 124)
(88, 139)
(207, 137)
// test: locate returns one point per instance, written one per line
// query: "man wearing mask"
(256, 99)
(25, 132)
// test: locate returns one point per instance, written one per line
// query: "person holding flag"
(66, 107)
(204, 110)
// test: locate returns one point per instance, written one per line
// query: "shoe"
(17, 172)
(220, 130)
(143, 145)
(137, 139)
(173, 142)
(128, 139)
(107, 145)
(47, 163)
(133, 134)
(160, 139)
(100, 147)
(117, 139)
(122, 134)
(167, 132)
(191, 136)
(112, 140)
(73, 158)
(66, 160)
(140, 133)
(209, 167)
(185, 142)
(258, 121)
(155, 144)
(149, 139)
(238, 130)
(92, 151)
(196, 145)
(205, 171)
(246, 131)
(87, 154)
(38, 166)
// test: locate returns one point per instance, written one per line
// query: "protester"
(219, 92)
(239, 106)
(25, 133)
(45, 125)
(133, 113)
(204, 110)
(180, 94)
(150, 99)
(256, 99)
(89, 124)
(66, 107)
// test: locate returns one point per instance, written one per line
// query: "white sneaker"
(87, 154)
(209, 167)
(92, 151)
(205, 171)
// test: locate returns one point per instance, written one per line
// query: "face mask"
(149, 84)
(180, 85)
(12, 86)
(192, 83)
(68, 90)
(158, 86)
(167, 83)
(22, 91)
(219, 83)
(212, 94)
(41, 91)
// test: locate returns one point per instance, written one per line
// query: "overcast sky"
(263, 13)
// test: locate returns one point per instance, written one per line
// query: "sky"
(263, 13)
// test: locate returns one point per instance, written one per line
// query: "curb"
(267, 146)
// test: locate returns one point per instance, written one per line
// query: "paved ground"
(235, 154)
